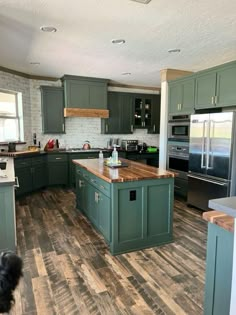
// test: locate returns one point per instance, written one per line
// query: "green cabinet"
(120, 119)
(130, 215)
(155, 115)
(52, 105)
(85, 92)
(31, 173)
(83, 155)
(57, 169)
(7, 221)
(218, 271)
(142, 110)
(181, 96)
(216, 87)
(92, 195)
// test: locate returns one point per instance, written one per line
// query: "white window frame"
(18, 116)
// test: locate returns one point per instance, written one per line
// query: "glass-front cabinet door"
(143, 111)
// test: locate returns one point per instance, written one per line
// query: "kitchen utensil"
(86, 145)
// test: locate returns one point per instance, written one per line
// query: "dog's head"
(10, 272)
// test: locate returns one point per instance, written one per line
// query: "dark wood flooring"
(69, 270)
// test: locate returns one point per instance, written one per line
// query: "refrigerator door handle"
(209, 165)
(203, 145)
(208, 180)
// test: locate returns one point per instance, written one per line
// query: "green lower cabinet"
(31, 173)
(7, 221)
(142, 214)
(24, 176)
(218, 271)
(130, 215)
(57, 169)
(104, 216)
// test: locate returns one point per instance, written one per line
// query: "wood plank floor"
(69, 270)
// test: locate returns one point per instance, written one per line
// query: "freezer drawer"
(201, 190)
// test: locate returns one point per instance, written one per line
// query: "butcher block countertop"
(221, 219)
(133, 172)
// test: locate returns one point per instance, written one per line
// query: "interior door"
(198, 146)
(220, 138)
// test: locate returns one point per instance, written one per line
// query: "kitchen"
(79, 130)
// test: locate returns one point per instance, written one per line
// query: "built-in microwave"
(179, 128)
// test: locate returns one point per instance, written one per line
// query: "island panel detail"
(132, 208)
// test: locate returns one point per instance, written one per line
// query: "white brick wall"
(77, 129)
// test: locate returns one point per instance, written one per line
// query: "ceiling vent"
(142, 1)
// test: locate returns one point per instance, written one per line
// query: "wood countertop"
(133, 172)
(221, 219)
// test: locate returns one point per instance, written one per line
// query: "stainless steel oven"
(177, 161)
(179, 127)
(178, 156)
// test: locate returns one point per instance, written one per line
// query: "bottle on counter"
(100, 156)
(114, 156)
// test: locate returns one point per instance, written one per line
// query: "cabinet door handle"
(132, 128)
(144, 124)
(81, 183)
(101, 186)
(212, 100)
(93, 181)
(154, 127)
(58, 158)
(63, 127)
(17, 185)
(180, 106)
(106, 128)
(216, 97)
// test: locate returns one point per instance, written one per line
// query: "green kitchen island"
(131, 206)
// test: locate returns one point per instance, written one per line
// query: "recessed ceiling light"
(142, 1)
(174, 50)
(118, 41)
(49, 29)
(126, 73)
(35, 63)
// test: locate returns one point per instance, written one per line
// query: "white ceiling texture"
(204, 30)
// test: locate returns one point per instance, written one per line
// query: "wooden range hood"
(85, 112)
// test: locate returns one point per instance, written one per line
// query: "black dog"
(10, 272)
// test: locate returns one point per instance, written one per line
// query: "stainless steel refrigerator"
(211, 158)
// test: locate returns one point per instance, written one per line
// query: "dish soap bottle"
(100, 156)
(114, 156)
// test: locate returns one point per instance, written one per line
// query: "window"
(11, 119)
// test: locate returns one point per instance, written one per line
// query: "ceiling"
(204, 30)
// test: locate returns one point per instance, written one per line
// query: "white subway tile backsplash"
(78, 129)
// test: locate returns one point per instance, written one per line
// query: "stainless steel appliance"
(179, 127)
(177, 161)
(129, 145)
(211, 158)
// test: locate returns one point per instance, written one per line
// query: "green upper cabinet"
(142, 110)
(85, 92)
(216, 87)
(181, 96)
(52, 109)
(120, 114)
(155, 120)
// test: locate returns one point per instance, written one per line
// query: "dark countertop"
(7, 176)
(133, 172)
(19, 154)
